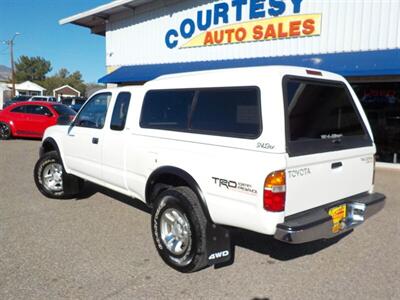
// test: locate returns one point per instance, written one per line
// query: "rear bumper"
(316, 224)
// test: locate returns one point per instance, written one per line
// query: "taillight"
(275, 191)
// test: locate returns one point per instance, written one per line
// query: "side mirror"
(65, 120)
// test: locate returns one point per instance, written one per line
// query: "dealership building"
(359, 39)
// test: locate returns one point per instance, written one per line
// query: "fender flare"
(185, 176)
(51, 142)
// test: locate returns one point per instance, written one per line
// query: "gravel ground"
(100, 247)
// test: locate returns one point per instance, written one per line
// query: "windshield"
(63, 110)
(322, 117)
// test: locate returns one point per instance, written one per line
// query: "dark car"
(16, 99)
(31, 119)
(74, 103)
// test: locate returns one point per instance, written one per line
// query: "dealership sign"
(241, 21)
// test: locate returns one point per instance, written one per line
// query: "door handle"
(95, 141)
(337, 165)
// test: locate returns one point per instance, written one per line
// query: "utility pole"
(10, 43)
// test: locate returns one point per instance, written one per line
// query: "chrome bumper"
(316, 224)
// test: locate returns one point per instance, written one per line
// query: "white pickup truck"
(282, 151)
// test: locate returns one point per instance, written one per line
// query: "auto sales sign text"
(240, 21)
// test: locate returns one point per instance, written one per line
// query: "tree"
(32, 68)
(62, 73)
(64, 77)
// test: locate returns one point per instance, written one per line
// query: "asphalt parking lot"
(100, 247)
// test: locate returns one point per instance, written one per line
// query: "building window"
(381, 102)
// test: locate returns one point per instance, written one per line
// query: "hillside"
(5, 73)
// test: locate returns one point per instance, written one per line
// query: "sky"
(68, 46)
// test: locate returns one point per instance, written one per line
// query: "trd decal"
(235, 186)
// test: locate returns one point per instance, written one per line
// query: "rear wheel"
(50, 177)
(5, 131)
(179, 229)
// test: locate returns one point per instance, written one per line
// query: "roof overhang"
(352, 64)
(96, 19)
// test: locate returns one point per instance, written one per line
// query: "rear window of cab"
(231, 112)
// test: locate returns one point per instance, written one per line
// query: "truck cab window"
(120, 112)
(93, 114)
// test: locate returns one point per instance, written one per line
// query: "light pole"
(11, 44)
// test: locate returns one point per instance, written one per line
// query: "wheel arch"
(49, 144)
(172, 176)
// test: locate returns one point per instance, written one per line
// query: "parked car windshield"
(63, 110)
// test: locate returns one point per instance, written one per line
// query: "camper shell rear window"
(321, 116)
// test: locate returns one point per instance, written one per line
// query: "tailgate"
(317, 180)
(330, 149)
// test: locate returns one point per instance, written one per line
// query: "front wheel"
(50, 178)
(179, 229)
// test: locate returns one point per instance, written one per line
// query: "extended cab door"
(84, 140)
(114, 145)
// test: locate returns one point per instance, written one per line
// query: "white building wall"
(137, 37)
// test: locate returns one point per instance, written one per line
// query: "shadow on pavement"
(253, 241)
(92, 189)
(279, 250)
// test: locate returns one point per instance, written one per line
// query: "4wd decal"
(218, 255)
(235, 186)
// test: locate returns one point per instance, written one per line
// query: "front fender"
(54, 136)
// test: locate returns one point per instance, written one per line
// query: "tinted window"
(322, 117)
(120, 111)
(93, 114)
(21, 98)
(167, 109)
(38, 110)
(67, 101)
(230, 112)
(19, 109)
(317, 111)
(64, 110)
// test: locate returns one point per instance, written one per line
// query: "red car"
(31, 119)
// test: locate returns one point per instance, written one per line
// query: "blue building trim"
(352, 64)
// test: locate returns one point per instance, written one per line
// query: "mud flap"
(71, 184)
(220, 251)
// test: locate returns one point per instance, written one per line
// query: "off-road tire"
(45, 162)
(185, 201)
